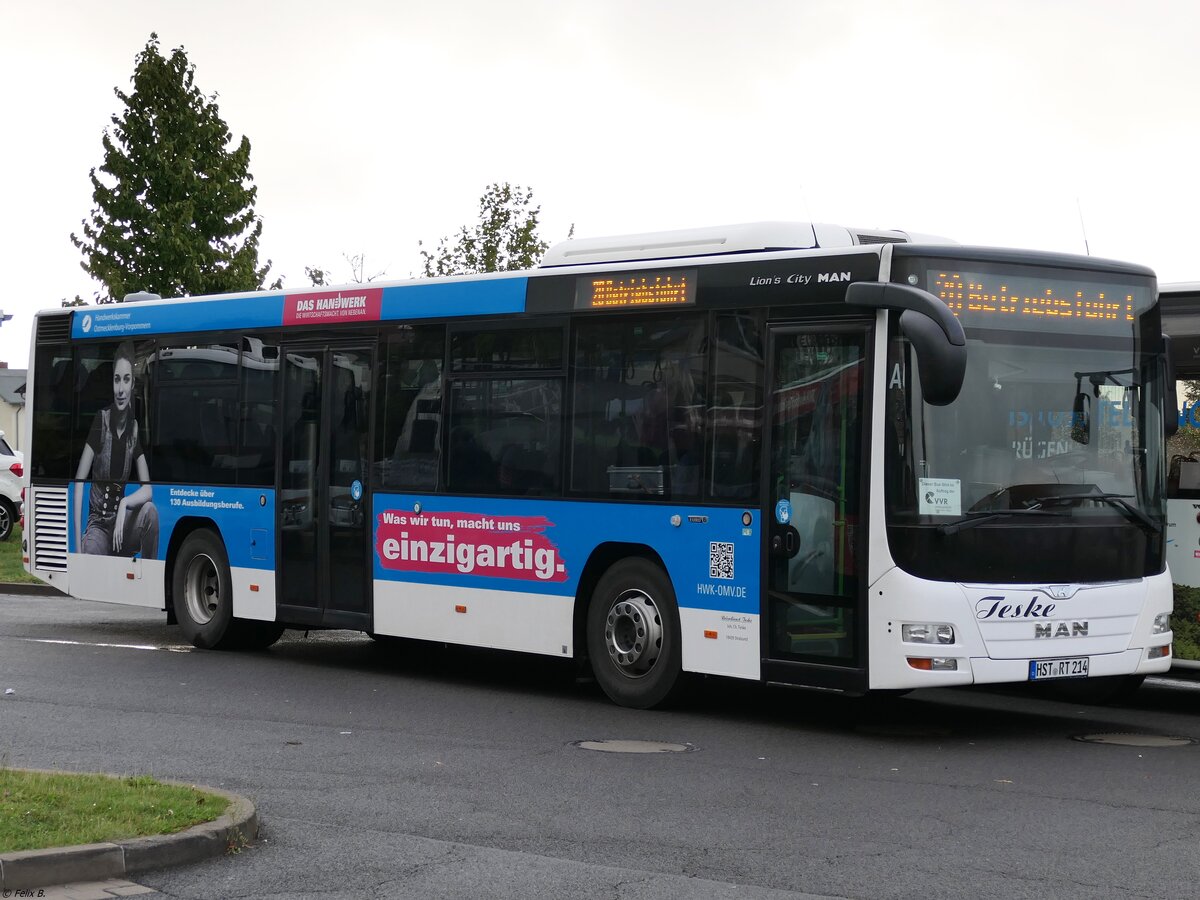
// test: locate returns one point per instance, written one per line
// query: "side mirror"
(1081, 419)
(942, 365)
(933, 329)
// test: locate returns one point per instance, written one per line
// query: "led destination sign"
(629, 290)
(1030, 302)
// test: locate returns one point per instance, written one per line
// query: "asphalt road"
(440, 773)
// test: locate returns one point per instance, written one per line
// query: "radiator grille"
(50, 529)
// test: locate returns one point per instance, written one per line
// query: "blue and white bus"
(796, 453)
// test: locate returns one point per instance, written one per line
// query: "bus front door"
(323, 576)
(813, 627)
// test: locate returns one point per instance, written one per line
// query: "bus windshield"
(1059, 417)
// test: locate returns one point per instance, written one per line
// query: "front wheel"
(633, 635)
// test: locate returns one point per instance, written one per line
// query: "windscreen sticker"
(783, 512)
(940, 497)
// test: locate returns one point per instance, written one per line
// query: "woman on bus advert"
(117, 525)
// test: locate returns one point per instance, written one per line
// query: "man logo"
(1060, 630)
(928, 494)
(1061, 591)
(87, 323)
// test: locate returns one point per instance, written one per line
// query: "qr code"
(720, 560)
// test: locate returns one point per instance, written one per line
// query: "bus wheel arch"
(631, 626)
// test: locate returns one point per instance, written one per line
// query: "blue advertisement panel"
(492, 296)
(118, 320)
(455, 298)
(711, 555)
(244, 516)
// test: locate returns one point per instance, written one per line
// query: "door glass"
(298, 479)
(349, 384)
(816, 430)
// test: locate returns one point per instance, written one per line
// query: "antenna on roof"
(1083, 228)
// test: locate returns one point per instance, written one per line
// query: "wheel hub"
(633, 633)
(201, 589)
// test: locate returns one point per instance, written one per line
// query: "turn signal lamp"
(1159, 652)
(934, 664)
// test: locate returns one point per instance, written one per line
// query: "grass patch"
(39, 810)
(11, 568)
(1185, 623)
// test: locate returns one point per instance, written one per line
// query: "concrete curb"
(30, 869)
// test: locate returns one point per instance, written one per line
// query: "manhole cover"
(1125, 739)
(634, 746)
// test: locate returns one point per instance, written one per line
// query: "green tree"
(319, 276)
(174, 197)
(504, 239)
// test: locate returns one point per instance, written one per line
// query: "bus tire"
(633, 635)
(8, 518)
(203, 592)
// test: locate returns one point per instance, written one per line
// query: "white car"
(12, 471)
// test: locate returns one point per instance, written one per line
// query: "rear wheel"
(203, 592)
(633, 635)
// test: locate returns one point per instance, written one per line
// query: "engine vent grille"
(54, 329)
(879, 239)
(50, 529)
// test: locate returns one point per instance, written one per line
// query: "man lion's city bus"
(793, 453)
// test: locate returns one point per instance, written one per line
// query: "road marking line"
(174, 649)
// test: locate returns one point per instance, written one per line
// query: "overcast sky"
(377, 123)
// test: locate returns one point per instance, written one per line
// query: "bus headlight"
(927, 634)
(1162, 624)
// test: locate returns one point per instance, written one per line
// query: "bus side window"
(256, 426)
(53, 397)
(640, 381)
(409, 392)
(735, 414)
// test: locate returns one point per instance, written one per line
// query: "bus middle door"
(324, 574)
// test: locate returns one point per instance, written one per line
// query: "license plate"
(1045, 669)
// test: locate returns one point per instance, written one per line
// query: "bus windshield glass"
(1060, 414)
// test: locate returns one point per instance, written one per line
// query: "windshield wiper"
(979, 517)
(1118, 501)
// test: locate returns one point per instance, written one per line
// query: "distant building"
(12, 407)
